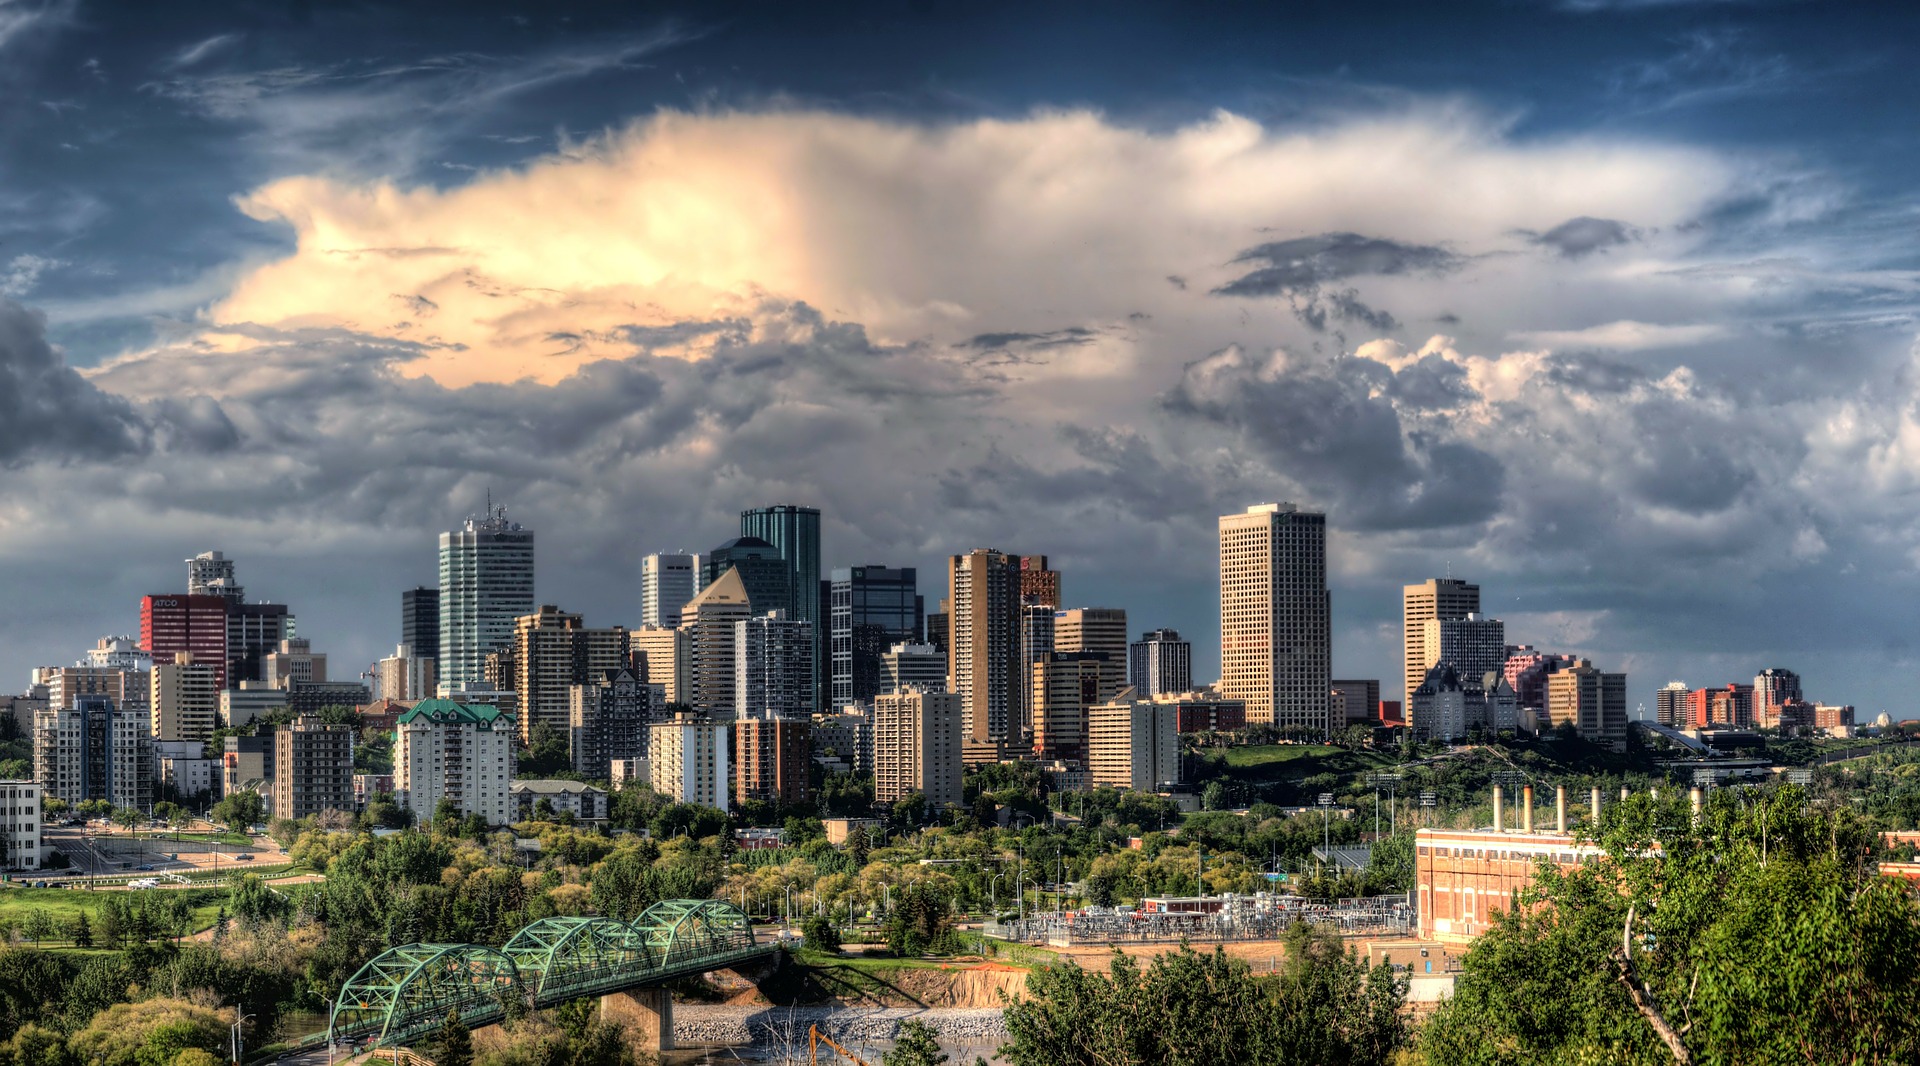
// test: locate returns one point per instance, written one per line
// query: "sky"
(1607, 305)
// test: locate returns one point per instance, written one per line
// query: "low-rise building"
(461, 753)
(20, 825)
(185, 770)
(839, 828)
(585, 802)
(621, 771)
(1205, 711)
(367, 786)
(311, 697)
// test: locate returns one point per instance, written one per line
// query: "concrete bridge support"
(646, 1012)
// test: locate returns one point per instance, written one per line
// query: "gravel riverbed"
(701, 1023)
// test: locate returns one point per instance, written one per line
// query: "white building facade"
(459, 752)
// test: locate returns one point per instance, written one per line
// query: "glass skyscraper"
(486, 581)
(795, 532)
(871, 608)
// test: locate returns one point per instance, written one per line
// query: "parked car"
(243, 857)
(144, 869)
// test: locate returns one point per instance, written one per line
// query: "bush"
(820, 935)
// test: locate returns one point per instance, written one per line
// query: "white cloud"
(22, 273)
(1624, 335)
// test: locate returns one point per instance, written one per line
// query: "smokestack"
(1526, 809)
(1698, 798)
(1499, 808)
(1560, 809)
(1596, 806)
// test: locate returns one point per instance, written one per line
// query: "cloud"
(22, 273)
(1624, 336)
(49, 412)
(20, 19)
(195, 53)
(1581, 236)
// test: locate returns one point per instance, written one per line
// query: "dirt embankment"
(961, 984)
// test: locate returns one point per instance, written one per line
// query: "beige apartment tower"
(983, 663)
(1276, 637)
(1133, 743)
(184, 699)
(1592, 701)
(916, 746)
(664, 651)
(553, 650)
(1423, 608)
(1096, 629)
(707, 620)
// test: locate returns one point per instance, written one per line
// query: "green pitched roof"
(450, 711)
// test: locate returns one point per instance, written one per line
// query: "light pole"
(235, 1041)
(993, 889)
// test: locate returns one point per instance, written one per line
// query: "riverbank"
(778, 1027)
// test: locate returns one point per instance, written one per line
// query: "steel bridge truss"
(411, 990)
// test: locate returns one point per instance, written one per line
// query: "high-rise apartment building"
(846, 735)
(1592, 701)
(1729, 707)
(1527, 670)
(119, 653)
(486, 582)
(183, 701)
(1102, 630)
(916, 746)
(1275, 616)
(1356, 701)
(772, 668)
(664, 651)
(95, 750)
(870, 609)
(19, 825)
(294, 661)
(1670, 704)
(1474, 644)
(904, 665)
(554, 650)
(689, 759)
(1159, 664)
(170, 624)
(667, 582)
(312, 768)
(770, 757)
(1772, 688)
(1064, 685)
(1036, 645)
(458, 752)
(795, 532)
(708, 621)
(420, 621)
(211, 574)
(609, 718)
(406, 675)
(1423, 608)
(983, 667)
(65, 684)
(1133, 743)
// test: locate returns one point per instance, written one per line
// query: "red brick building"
(1465, 877)
(170, 624)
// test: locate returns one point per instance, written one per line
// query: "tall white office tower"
(667, 583)
(486, 581)
(1276, 634)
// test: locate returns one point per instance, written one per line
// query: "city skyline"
(1649, 386)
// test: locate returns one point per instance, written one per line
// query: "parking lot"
(96, 851)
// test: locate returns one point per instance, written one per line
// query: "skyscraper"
(420, 622)
(983, 667)
(1065, 685)
(795, 532)
(870, 608)
(553, 651)
(709, 624)
(1039, 585)
(1475, 645)
(1670, 704)
(1159, 664)
(254, 630)
(917, 747)
(763, 573)
(772, 667)
(486, 581)
(667, 582)
(918, 665)
(1036, 639)
(1772, 688)
(1276, 635)
(1096, 629)
(1423, 608)
(211, 574)
(170, 624)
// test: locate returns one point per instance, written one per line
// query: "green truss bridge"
(408, 991)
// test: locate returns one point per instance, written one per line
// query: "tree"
(80, 931)
(859, 845)
(820, 935)
(1758, 933)
(914, 1045)
(38, 926)
(128, 818)
(453, 1044)
(240, 810)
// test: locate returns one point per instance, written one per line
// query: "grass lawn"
(1267, 754)
(63, 904)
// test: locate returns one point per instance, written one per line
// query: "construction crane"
(815, 1038)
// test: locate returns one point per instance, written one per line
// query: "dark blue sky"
(1634, 345)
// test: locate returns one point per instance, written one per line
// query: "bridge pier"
(646, 1012)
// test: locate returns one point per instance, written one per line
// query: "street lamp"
(235, 1041)
(993, 889)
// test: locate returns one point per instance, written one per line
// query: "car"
(243, 857)
(144, 869)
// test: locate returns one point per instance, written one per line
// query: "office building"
(183, 701)
(709, 621)
(461, 753)
(870, 609)
(19, 825)
(1473, 643)
(1729, 707)
(420, 621)
(795, 532)
(1833, 715)
(664, 652)
(242, 706)
(770, 757)
(1772, 688)
(294, 660)
(1355, 701)
(312, 697)
(171, 624)
(254, 630)
(1159, 664)
(1205, 711)
(667, 582)
(486, 582)
(940, 628)
(1670, 705)
(1036, 644)
(917, 738)
(1592, 701)
(405, 675)
(246, 764)
(95, 750)
(688, 758)
(1423, 608)
(312, 768)
(1133, 743)
(765, 576)
(1101, 631)
(983, 665)
(1039, 584)
(554, 650)
(772, 668)
(1527, 670)
(1275, 616)
(608, 719)
(119, 653)
(1064, 685)
(922, 665)
(584, 802)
